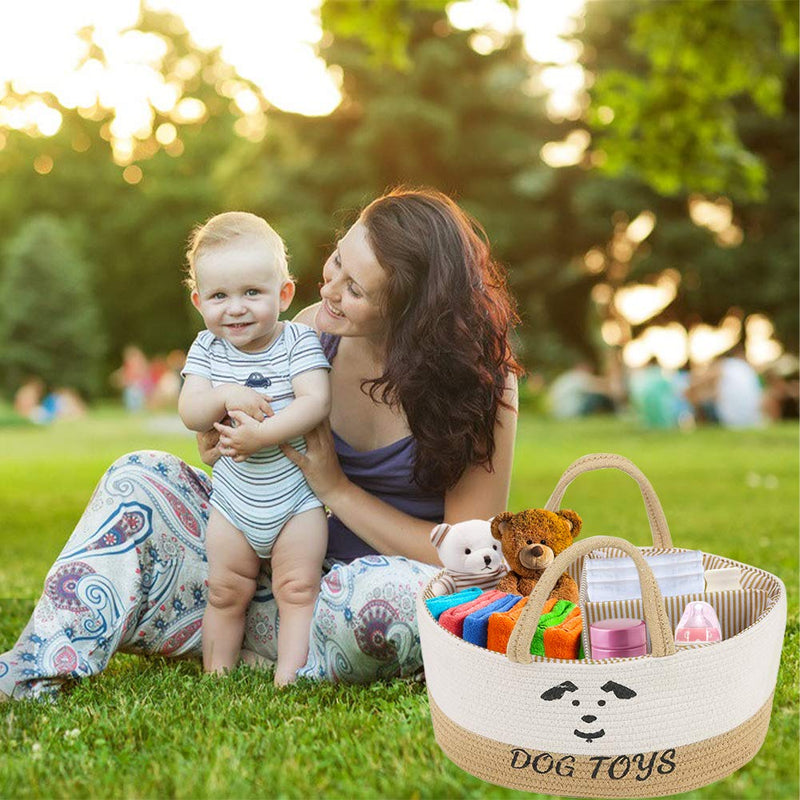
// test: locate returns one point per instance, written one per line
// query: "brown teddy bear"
(531, 540)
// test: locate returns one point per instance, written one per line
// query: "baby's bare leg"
(296, 571)
(232, 570)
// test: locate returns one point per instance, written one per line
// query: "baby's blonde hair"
(224, 228)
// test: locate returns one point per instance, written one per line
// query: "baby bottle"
(699, 623)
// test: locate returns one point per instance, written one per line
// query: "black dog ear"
(557, 692)
(620, 692)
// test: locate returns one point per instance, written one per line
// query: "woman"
(415, 319)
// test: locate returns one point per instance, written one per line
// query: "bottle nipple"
(699, 623)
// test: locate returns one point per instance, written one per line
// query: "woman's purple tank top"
(386, 473)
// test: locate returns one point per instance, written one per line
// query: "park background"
(635, 167)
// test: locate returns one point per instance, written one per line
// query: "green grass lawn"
(153, 728)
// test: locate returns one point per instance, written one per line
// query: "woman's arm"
(208, 447)
(479, 493)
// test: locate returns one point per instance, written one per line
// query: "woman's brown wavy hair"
(450, 317)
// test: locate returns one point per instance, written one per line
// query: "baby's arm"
(311, 405)
(200, 404)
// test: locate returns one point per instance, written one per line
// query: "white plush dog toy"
(470, 554)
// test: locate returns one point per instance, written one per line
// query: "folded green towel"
(555, 616)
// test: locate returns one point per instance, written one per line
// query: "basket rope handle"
(655, 616)
(595, 461)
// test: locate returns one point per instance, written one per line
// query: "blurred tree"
(753, 264)
(134, 233)
(674, 94)
(672, 118)
(49, 322)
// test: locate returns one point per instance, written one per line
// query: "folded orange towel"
(564, 640)
(502, 623)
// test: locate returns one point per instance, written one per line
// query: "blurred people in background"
(728, 391)
(578, 392)
(782, 390)
(654, 396)
(28, 397)
(153, 385)
(166, 378)
(34, 403)
(133, 378)
(683, 408)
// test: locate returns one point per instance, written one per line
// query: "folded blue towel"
(476, 625)
(438, 605)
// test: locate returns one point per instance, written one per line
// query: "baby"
(246, 366)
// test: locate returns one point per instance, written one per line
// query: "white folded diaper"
(617, 578)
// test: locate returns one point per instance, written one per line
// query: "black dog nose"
(537, 551)
(487, 560)
(589, 718)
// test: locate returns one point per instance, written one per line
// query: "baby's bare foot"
(284, 678)
(255, 661)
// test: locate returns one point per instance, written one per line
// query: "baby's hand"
(251, 402)
(240, 442)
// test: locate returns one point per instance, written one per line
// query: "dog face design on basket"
(588, 705)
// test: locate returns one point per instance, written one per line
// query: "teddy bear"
(471, 557)
(531, 540)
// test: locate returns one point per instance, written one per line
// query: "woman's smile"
(331, 310)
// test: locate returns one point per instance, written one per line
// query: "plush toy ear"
(438, 534)
(573, 520)
(499, 522)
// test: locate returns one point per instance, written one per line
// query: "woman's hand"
(319, 463)
(208, 445)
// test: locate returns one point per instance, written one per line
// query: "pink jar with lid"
(618, 638)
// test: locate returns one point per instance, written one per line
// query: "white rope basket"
(654, 725)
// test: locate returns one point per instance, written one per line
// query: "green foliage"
(675, 114)
(49, 321)
(675, 105)
(134, 235)
(384, 26)
(758, 275)
(158, 728)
